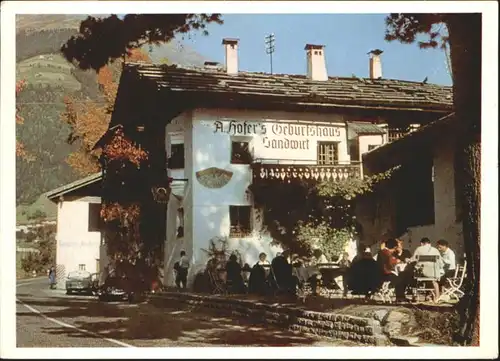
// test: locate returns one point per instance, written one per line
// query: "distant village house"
(79, 236)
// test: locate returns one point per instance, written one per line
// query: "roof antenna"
(269, 40)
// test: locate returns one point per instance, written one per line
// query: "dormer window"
(240, 152)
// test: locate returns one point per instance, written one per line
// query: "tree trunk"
(465, 45)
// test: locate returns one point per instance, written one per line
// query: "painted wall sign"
(214, 177)
(278, 136)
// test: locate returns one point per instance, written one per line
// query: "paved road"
(50, 318)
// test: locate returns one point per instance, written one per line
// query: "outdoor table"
(304, 273)
(330, 271)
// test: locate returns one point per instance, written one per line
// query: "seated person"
(263, 259)
(363, 277)
(342, 280)
(449, 260)
(387, 261)
(257, 283)
(234, 277)
(303, 272)
(282, 271)
(318, 257)
(401, 253)
(344, 261)
(382, 245)
(432, 270)
(360, 253)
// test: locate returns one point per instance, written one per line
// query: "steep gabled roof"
(376, 93)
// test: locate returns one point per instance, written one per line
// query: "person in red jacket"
(388, 264)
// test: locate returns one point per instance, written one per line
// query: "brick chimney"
(375, 64)
(231, 47)
(316, 66)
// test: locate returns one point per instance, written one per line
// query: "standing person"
(182, 268)
(431, 270)
(52, 277)
(449, 260)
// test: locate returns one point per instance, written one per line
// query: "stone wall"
(338, 326)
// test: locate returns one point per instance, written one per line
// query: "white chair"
(453, 290)
(218, 285)
(386, 292)
(422, 282)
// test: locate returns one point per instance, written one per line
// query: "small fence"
(23, 252)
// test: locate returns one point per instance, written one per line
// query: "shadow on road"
(147, 322)
(72, 308)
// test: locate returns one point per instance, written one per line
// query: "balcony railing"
(307, 172)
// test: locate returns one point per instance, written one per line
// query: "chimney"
(375, 64)
(231, 47)
(316, 66)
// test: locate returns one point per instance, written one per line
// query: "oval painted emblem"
(214, 177)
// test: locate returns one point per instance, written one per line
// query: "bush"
(31, 263)
(46, 250)
(38, 214)
(331, 241)
(437, 327)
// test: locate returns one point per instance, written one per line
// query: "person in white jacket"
(433, 270)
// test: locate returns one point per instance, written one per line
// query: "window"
(240, 221)
(372, 146)
(81, 267)
(176, 160)
(180, 222)
(240, 153)
(328, 153)
(94, 217)
(354, 150)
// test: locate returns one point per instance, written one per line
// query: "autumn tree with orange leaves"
(20, 151)
(89, 120)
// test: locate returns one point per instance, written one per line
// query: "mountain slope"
(49, 79)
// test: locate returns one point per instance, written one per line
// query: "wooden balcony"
(305, 172)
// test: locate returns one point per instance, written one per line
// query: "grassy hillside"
(42, 207)
(46, 70)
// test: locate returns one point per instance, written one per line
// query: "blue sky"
(348, 37)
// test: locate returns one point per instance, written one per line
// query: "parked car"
(81, 282)
(116, 288)
(122, 287)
